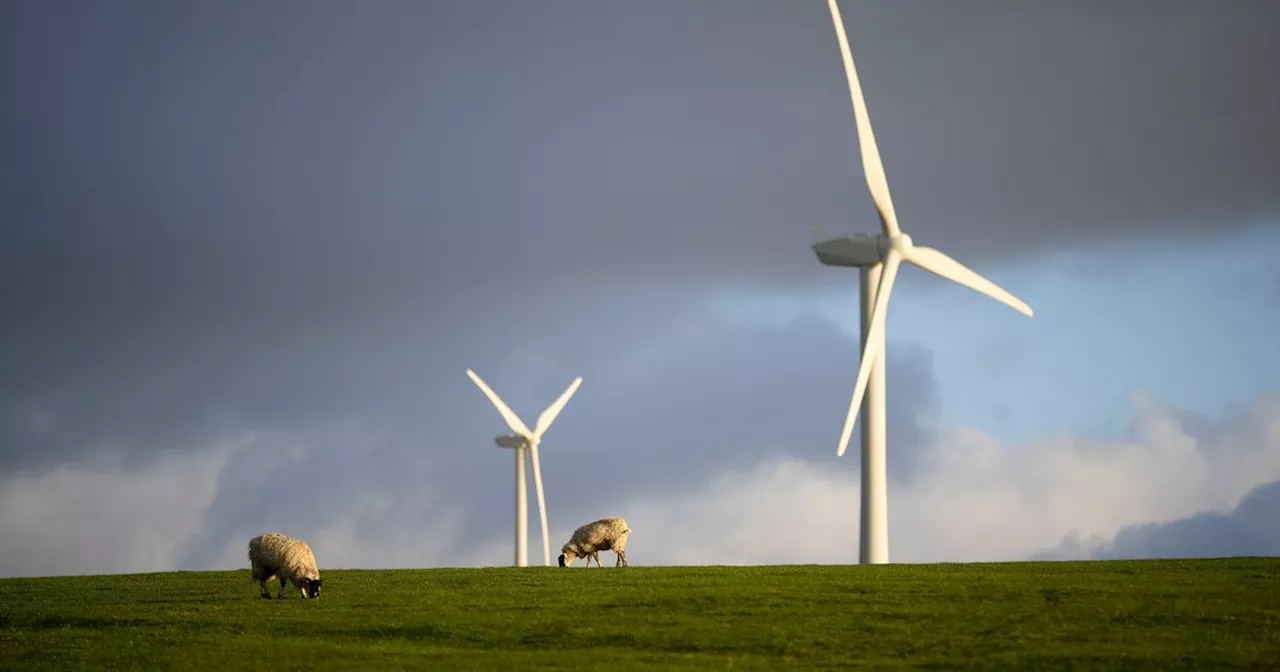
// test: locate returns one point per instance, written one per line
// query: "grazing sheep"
(603, 535)
(279, 555)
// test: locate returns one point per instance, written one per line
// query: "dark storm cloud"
(233, 216)
(286, 150)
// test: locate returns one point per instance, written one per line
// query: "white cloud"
(78, 519)
(977, 500)
(395, 540)
(375, 531)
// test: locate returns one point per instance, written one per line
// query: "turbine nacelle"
(858, 250)
(861, 250)
(512, 441)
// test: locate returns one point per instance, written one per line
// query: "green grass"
(1160, 615)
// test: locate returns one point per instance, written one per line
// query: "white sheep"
(278, 555)
(603, 535)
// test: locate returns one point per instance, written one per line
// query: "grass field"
(1150, 614)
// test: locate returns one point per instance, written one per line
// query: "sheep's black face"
(313, 587)
(562, 559)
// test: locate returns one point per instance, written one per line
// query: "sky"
(248, 251)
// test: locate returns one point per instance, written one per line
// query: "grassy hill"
(1153, 614)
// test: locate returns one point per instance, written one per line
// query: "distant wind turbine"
(524, 439)
(878, 257)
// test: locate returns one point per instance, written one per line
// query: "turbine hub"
(901, 243)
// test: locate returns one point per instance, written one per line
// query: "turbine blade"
(548, 416)
(936, 262)
(542, 505)
(513, 420)
(874, 346)
(871, 164)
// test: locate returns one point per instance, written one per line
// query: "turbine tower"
(523, 440)
(878, 258)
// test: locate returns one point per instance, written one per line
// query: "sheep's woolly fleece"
(602, 535)
(278, 555)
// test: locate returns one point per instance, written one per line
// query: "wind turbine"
(523, 440)
(878, 258)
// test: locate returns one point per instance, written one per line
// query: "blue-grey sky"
(247, 252)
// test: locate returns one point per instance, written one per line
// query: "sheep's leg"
(284, 581)
(622, 559)
(266, 592)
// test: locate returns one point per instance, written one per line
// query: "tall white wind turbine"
(878, 257)
(523, 440)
